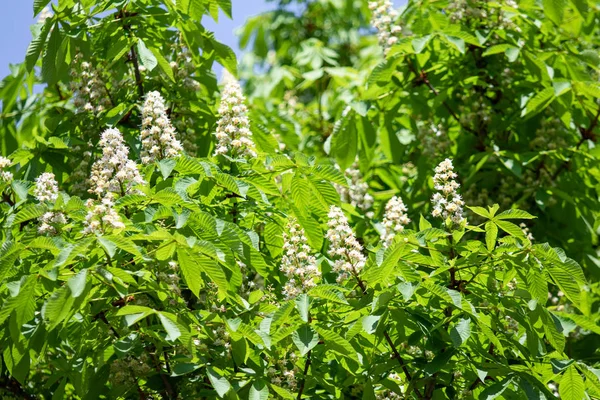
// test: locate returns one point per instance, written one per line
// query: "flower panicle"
(298, 265)
(447, 203)
(395, 219)
(114, 172)
(344, 247)
(159, 138)
(383, 19)
(233, 128)
(46, 188)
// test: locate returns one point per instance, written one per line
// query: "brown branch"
(136, 71)
(422, 77)
(306, 366)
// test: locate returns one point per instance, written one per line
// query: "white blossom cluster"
(81, 168)
(526, 232)
(183, 67)
(394, 219)
(344, 247)
(222, 337)
(357, 191)
(171, 278)
(433, 138)
(114, 172)
(5, 176)
(284, 376)
(44, 15)
(383, 19)
(447, 203)
(480, 11)
(51, 222)
(125, 371)
(388, 395)
(550, 135)
(159, 139)
(475, 111)
(101, 216)
(89, 89)
(46, 188)
(233, 128)
(297, 264)
(187, 134)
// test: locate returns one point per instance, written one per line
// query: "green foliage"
(201, 274)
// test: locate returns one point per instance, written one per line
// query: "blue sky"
(17, 16)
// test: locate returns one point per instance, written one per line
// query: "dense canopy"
(373, 202)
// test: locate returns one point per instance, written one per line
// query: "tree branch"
(303, 382)
(136, 71)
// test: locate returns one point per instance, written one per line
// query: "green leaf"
(514, 213)
(337, 343)
(49, 60)
(581, 320)
(329, 292)
(22, 303)
(191, 271)
(370, 323)
(35, 47)
(496, 49)
(58, 307)
(147, 58)
(491, 233)
(461, 332)
(571, 385)
(77, 283)
(494, 391)
(163, 64)
(218, 381)
(344, 139)
(480, 211)
(510, 228)
(38, 5)
(512, 53)
(28, 212)
(166, 166)
(457, 42)
(305, 338)
(554, 10)
(540, 101)
(115, 114)
(259, 390)
(303, 306)
(537, 285)
(171, 327)
(419, 44)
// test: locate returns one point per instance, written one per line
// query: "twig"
(306, 366)
(422, 76)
